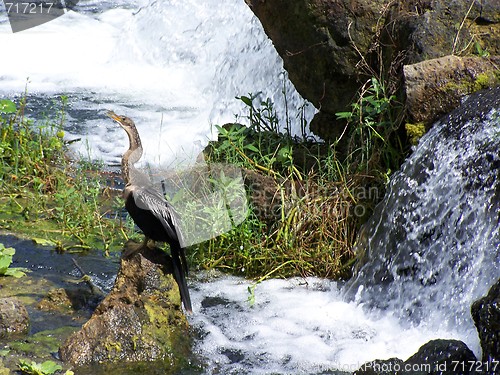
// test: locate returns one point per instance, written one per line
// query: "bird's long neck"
(132, 155)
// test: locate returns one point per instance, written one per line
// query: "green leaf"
(6, 254)
(246, 100)
(15, 272)
(284, 154)
(344, 115)
(49, 367)
(46, 368)
(252, 148)
(43, 241)
(7, 106)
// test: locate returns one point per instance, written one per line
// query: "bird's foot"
(132, 248)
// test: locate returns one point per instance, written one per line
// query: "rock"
(331, 48)
(437, 357)
(140, 320)
(486, 315)
(14, 317)
(440, 357)
(380, 367)
(3, 370)
(424, 29)
(66, 301)
(436, 87)
(315, 38)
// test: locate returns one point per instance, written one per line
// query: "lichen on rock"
(140, 320)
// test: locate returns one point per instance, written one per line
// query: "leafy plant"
(299, 221)
(480, 51)
(34, 368)
(370, 132)
(6, 254)
(39, 183)
(7, 106)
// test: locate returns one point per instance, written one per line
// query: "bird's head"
(123, 121)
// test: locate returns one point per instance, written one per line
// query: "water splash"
(432, 248)
(174, 66)
(433, 245)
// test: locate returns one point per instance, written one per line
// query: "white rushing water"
(297, 326)
(431, 248)
(175, 67)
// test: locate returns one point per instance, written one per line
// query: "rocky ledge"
(141, 319)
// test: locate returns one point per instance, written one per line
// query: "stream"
(175, 67)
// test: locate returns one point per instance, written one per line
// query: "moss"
(485, 80)
(166, 324)
(42, 344)
(3, 370)
(415, 132)
(165, 320)
(113, 348)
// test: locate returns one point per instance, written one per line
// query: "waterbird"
(149, 208)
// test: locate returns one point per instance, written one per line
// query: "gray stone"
(140, 320)
(486, 315)
(332, 48)
(14, 317)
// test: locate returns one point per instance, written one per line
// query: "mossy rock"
(435, 87)
(140, 320)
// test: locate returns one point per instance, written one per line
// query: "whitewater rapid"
(175, 67)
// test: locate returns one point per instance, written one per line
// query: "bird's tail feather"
(180, 272)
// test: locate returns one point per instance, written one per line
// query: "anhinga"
(149, 209)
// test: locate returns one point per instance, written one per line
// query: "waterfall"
(174, 66)
(432, 247)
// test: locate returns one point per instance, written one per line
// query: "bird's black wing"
(150, 199)
(147, 198)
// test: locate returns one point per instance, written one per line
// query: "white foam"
(295, 326)
(174, 66)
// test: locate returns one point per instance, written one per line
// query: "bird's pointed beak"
(113, 115)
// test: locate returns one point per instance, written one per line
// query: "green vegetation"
(43, 193)
(307, 199)
(45, 368)
(373, 144)
(6, 254)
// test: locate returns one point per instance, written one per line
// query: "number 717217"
(28, 8)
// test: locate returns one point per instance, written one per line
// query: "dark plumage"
(149, 209)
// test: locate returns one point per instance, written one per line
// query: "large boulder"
(436, 87)
(331, 47)
(140, 320)
(486, 315)
(441, 357)
(316, 40)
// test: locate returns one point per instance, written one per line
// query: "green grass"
(307, 200)
(44, 194)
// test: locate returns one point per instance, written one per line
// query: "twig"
(93, 288)
(457, 37)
